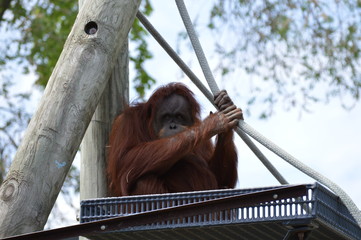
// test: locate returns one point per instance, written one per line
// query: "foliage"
(294, 47)
(43, 27)
(140, 53)
(289, 48)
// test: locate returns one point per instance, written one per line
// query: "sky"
(326, 140)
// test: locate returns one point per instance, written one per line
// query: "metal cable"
(355, 212)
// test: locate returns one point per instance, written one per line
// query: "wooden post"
(93, 180)
(58, 126)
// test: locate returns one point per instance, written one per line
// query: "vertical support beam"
(58, 126)
(93, 180)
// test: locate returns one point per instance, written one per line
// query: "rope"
(214, 88)
(163, 43)
(355, 212)
(197, 47)
(208, 94)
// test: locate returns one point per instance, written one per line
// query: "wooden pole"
(93, 180)
(58, 126)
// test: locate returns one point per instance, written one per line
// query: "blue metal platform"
(307, 211)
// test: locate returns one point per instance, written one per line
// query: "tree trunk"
(57, 128)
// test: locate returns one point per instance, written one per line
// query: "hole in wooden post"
(91, 28)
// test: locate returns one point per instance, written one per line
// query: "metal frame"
(288, 211)
(308, 211)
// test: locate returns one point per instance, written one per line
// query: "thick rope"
(163, 43)
(206, 92)
(197, 47)
(355, 212)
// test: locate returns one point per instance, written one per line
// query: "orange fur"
(140, 163)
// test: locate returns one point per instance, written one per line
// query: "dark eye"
(179, 117)
(165, 117)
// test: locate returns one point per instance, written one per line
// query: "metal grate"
(319, 211)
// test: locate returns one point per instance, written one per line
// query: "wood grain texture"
(93, 180)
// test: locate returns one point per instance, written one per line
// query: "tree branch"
(11, 139)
